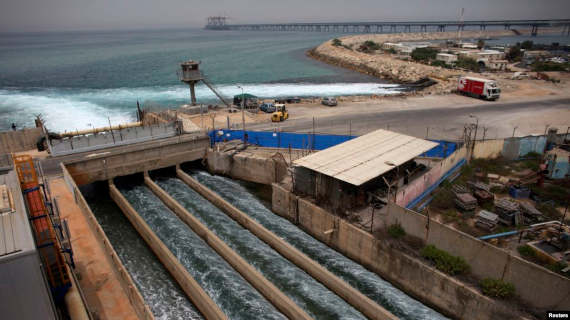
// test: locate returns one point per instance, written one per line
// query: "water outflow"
(159, 290)
(233, 294)
(353, 273)
(305, 291)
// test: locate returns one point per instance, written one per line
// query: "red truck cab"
(479, 88)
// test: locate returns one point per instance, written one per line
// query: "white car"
(329, 101)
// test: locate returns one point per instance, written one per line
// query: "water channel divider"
(352, 296)
(282, 302)
(193, 290)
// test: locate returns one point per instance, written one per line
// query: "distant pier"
(220, 23)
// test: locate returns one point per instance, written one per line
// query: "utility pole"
(475, 138)
(515, 128)
(242, 114)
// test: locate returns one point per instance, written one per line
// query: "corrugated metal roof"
(366, 157)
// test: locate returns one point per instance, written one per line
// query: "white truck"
(479, 88)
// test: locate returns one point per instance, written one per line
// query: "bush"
(336, 42)
(527, 45)
(391, 50)
(514, 53)
(443, 199)
(467, 63)
(549, 66)
(372, 45)
(438, 63)
(480, 44)
(497, 288)
(527, 252)
(396, 231)
(445, 262)
(424, 54)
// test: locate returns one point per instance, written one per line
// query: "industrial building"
(364, 170)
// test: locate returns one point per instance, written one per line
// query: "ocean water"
(77, 80)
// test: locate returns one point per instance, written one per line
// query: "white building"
(446, 57)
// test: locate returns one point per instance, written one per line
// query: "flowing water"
(367, 282)
(234, 295)
(159, 290)
(306, 292)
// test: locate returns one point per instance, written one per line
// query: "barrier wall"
(282, 302)
(359, 301)
(247, 167)
(192, 289)
(129, 287)
(417, 188)
(19, 140)
(488, 149)
(444, 293)
(538, 287)
(308, 141)
(111, 138)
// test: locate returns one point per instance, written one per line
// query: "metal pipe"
(102, 129)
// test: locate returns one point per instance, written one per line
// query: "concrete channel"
(359, 301)
(258, 281)
(193, 290)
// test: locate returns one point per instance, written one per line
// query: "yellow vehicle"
(280, 113)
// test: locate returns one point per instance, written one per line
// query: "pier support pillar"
(192, 93)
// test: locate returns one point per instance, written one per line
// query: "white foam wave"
(70, 109)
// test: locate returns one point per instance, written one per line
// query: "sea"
(80, 80)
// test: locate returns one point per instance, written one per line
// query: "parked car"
(288, 100)
(329, 101)
(267, 107)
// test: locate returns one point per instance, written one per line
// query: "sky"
(68, 15)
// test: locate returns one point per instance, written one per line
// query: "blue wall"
(309, 141)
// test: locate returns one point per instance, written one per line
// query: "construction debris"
(483, 196)
(508, 211)
(465, 202)
(479, 186)
(487, 220)
(531, 214)
(457, 189)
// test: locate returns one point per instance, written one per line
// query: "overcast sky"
(45, 15)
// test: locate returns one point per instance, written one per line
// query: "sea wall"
(446, 294)
(538, 287)
(19, 140)
(129, 287)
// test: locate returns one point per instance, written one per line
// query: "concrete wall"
(20, 140)
(141, 157)
(246, 166)
(538, 287)
(192, 289)
(488, 148)
(112, 138)
(282, 302)
(427, 284)
(135, 298)
(354, 297)
(418, 186)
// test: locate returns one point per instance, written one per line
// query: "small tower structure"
(190, 74)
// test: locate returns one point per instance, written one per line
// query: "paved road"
(499, 118)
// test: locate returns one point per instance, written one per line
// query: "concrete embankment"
(192, 289)
(258, 281)
(100, 253)
(386, 66)
(362, 303)
(446, 294)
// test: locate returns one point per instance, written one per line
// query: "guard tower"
(191, 75)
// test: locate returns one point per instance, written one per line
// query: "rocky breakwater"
(388, 66)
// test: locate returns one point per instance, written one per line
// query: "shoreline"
(386, 67)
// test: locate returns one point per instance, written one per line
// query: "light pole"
(242, 114)
(475, 138)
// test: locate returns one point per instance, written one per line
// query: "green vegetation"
(424, 54)
(544, 66)
(372, 45)
(527, 45)
(437, 63)
(391, 50)
(514, 53)
(527, 252)
(396, 231)
(336, 42)
(480, 44)
(445, 262)
(443, 199)
(556, 193)
(497, 288)
(557, 267)
(467, 63)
